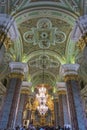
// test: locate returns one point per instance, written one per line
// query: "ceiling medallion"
(44, 34)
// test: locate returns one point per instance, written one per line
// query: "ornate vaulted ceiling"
(45, 27)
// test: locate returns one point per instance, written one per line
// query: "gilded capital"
(61, 87)
(26, 87)
(18, 69)
(69, 71)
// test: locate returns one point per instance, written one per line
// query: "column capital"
(69, 71)
(18, 69)
(25, 89)
(9, 30)
(61, 87)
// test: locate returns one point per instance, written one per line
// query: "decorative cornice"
(71, 77)
(61, 87)
(25, 89)
(26, 84)
(18, 69)
(69, 71)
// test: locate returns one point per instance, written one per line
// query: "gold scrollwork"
(82, 42)
(61, 92)
(71, 77)
(6, 41)
(16, 75)
(25, 91)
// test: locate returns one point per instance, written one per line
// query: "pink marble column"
(56, 110)
(63, 104)
(61, 112)
(9, 113)
(78, 120)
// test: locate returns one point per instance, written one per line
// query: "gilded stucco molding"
(18, 69)
(26, 87)
(82, 42)
(61, 88)
(69, 71)
(8, 30)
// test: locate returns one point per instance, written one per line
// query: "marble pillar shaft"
(78, 105)
(22, 103)
(65, 109)
(74, 121)
(61, 112)
(14, 105)
(7, 104)
(56, 112)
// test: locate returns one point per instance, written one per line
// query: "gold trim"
(7, 42)
(61, 92)
(25, 91)
(70, 77)
(16, 75)
(82, 42)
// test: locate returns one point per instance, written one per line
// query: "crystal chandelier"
(42, 99)
(42, 108)
(42, 96)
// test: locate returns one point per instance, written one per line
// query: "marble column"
(63, 104)
(78, 120)
(10, 108)
(25, 90)
(56, 112)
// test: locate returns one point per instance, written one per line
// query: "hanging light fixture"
(42, 96)
(42, 99)
(42, 108)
